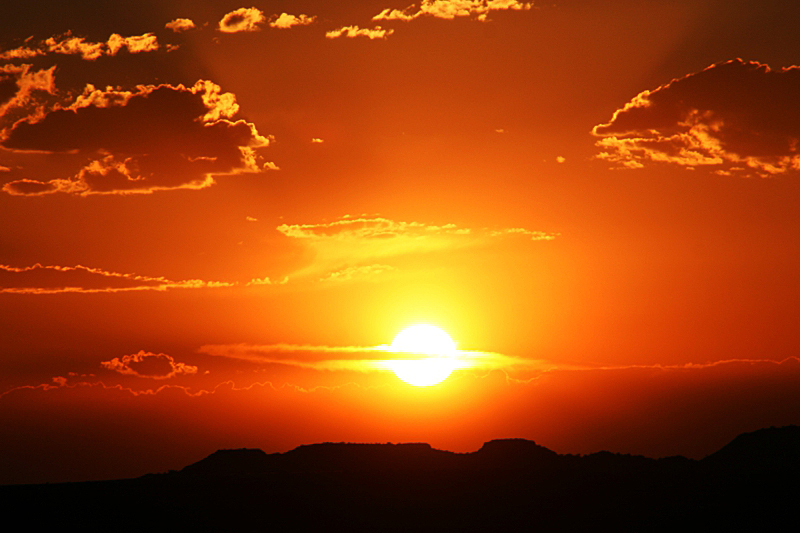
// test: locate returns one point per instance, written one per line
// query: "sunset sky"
(215, 217)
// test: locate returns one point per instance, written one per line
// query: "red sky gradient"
(212, 213)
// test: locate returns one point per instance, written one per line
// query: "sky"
(216, 216)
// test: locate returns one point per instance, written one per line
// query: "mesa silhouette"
(507, 485)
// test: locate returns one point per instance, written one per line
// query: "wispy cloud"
(450, 9)
(55, 279)
(357, 272)
(359, 358)
(354, 31)
(68, 44)
(354, 245)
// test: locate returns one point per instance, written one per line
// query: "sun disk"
(428, 340)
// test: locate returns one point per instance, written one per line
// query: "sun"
(427, 340)
(424, 338)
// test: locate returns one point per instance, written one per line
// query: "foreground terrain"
(507, 485)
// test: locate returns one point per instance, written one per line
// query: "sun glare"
(427, 340)
(424, 338)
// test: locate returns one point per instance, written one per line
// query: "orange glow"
(597, 200)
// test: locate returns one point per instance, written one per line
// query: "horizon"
(767, 451)
(259, 225)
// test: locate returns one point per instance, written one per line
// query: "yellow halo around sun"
(428, 340)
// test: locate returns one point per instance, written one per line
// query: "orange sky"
(211, 213)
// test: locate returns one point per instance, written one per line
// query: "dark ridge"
(773, 448)
(769, 448)
(514, 454)
(242, 461)
(521, 447)
(341, 456)
(506, 485)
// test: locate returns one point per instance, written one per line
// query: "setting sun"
(424, 338)
(428, 340)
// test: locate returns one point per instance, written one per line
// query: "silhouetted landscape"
(507, 485)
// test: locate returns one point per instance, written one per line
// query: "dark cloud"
(153, 138)
(8, 88)
(733, 117)
(25, 92)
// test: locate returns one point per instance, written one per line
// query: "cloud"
(174, 137)
(242, 19)
(75, 46)
(735, 118)
(450, 9)
(266, 281)
(362, 359)
(149, 365)
(134, 44)
(24, 93)
(55, 279)
(351, 245)
(317, 140)
(179, 25)
(354, 31)
(68, 44)
(285, 20)
(349, 228)
(357, 272)
(23, 52)
(380, 228)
